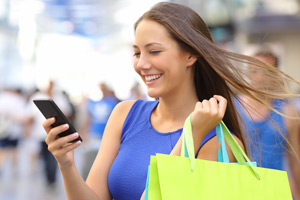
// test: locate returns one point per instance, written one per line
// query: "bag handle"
(222, 152)
(187, 147)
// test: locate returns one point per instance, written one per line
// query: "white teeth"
(152, 77)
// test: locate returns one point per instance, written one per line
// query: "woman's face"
(158, 59)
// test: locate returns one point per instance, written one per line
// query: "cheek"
(138, 71)
(135, 65)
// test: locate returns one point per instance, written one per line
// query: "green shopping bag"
(180, 177)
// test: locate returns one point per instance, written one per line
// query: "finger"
(53, 133)
(67, 144)
(67, 149)
(206, 105)
(47, 124)
(222, 103)
(63, 141)
(214, 107)
(198, 105)
(218, 97)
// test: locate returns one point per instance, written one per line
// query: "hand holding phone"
(49, 109)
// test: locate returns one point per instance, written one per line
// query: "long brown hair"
(216, 71)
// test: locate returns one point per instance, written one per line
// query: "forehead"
(150, 31)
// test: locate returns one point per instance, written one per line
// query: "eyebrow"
(148, 45)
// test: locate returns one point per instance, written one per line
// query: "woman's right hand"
(208, 114)
(61, 147)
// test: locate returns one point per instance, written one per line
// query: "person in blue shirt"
(268, 131)
(98, 112)
(186, 72)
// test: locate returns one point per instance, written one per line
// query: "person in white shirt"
(12, 104)
(37, 134)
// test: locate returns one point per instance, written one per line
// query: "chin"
(152, 94)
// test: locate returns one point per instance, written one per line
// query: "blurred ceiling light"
(27, 11)
(65, 27)
(128, 14)
(289, 7)
(216, 13)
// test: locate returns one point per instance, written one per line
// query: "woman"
(182, 67)
(267, 129)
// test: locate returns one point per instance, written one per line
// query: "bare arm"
(98, 177)
(63, 151)
(96, 187)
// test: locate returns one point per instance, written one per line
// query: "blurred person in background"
(182, 67)
(12, 110)
(36, 134)
(267, 144)
(92, 131)
(136, 92)
(73, 113)
(297, 102)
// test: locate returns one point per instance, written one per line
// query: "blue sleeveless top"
(265, 144)
(139, 140)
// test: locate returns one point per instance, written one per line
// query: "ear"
(191, 60)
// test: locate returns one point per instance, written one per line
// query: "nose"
(142, 62)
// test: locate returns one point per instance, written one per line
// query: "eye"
(154, 52)
(136, 54)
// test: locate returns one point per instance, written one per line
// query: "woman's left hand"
(208, 114)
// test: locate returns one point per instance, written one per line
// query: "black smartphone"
(49, 109)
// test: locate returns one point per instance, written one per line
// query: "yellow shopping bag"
(180, 177)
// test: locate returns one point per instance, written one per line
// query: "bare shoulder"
(291, 120)
(124, 106)
(290, 110)
(122, 109)
(209, 150)
(120, 113)
(291, 115)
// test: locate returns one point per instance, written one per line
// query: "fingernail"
(75, 135)
(66, 125)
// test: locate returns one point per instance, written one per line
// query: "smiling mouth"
(152, 77)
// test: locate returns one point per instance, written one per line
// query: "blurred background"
(81, 43)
